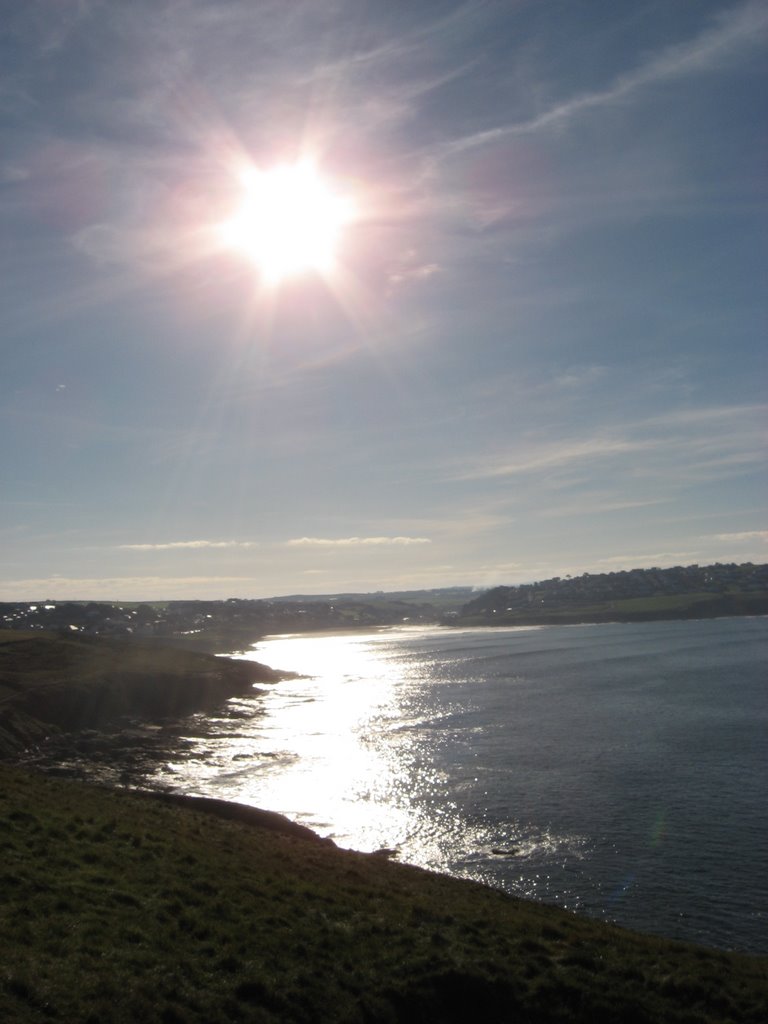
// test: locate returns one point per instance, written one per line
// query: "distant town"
(691, 591)
(639, 594)
(234, 622)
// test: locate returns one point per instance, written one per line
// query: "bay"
(618, 770)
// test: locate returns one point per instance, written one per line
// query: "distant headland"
(637, 595)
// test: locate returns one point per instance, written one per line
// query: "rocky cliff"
(50, 682)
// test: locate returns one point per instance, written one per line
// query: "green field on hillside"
(628, 609)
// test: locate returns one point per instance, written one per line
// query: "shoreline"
(418, 629)
(458, 627)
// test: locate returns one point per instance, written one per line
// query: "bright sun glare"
(289, 222)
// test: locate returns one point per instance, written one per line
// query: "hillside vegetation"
(638, 595)
(116, 906)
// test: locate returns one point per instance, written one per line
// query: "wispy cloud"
(124, 588)
(594, 505)
(745, 535)
(684, 446)
(709, 414)
(655, 558)
(396, 105)
(352, 542)
(412, 271)
(12, 173)
(735, 29)
(187, 545)
(548, 456)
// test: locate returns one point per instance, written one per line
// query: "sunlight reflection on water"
(310, 747)
(350, 749)
(540, 762)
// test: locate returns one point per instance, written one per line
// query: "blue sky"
(544, 349)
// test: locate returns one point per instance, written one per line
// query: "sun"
(289, 222)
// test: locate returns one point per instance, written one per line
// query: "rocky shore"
(51, 684)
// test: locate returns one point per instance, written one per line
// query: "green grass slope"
(124, 908)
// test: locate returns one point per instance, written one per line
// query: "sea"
(616, 770)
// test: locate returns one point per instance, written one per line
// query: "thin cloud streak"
(743, 536)
(122, 588)
(553, 455)
(717, 451)
(736, 29)
(595, 506)
(647, 560)
(709, 414)
(188, 545)
(351, 542)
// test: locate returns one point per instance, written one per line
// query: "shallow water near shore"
(617, 770)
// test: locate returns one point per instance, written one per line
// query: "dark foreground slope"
(49, 681)
(121, 907)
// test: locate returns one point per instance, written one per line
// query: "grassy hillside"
(119, 907)
(635, 595)
(630, 609)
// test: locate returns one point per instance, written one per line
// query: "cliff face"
(50, 682)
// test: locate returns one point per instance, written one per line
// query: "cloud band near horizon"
(350, 542)
(317, 542)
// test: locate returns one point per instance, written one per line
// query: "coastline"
(458, 625)
(103, 742)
